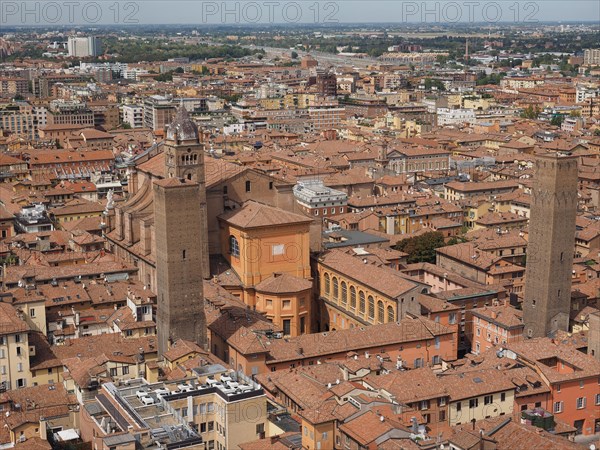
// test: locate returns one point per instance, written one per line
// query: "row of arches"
(189, 159)
(348, 296)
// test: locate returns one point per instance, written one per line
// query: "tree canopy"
(421, 248)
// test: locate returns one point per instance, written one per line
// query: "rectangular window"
(113, 372)
(31, 312)
(459, 406)
(442, 415)
(581, 403)
(211, 426)
(277, 250)
(287, 304)
(558, 407)
(17, 338)
(488, 399)
(248, 186)
(503, 396)
(597, 399)
(260, 428)
(287, 326)
(473, 403)
(125, 370)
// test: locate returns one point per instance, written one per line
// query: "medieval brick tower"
(181, 236)
(547, 298)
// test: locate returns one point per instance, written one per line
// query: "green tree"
(434, 83)
(557, 120)
(167, 76)
(530, 112)
(421, 248)
(294, 55)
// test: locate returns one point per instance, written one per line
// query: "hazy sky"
(48, 12)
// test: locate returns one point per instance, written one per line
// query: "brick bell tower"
(547, 299)
(180, 226)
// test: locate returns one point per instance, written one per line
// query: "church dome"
(182, 128)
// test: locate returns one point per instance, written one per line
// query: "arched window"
(234, 247)
(391, 315)
(371, 307)
(380, 312)
(335, 288)
(361, 302)
(344, 293)
(352, 297)
(327, 287)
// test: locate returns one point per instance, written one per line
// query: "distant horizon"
(34, 14)
(299, 25)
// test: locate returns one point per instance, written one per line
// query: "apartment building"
(14, 349)
(477, 395)
(133, 115)
(467, 260)
(458, 190)
(494, 326)
(572, 377)
(18, 119)
(318, 200)
(411, 159)
(325, 117)
(214, 409)
(158, 112)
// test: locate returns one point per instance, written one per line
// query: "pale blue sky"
(47, 12)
